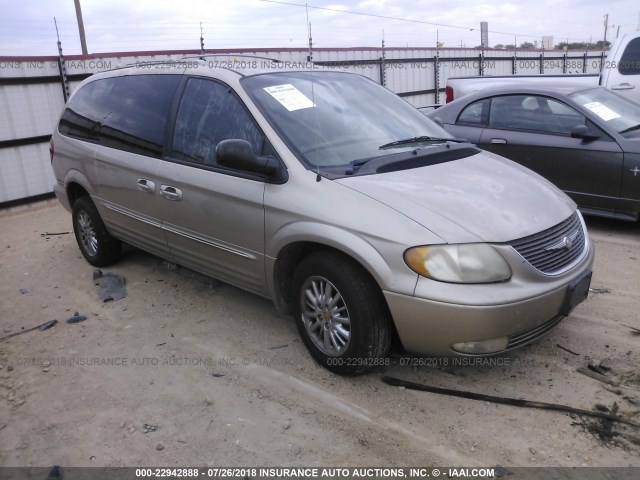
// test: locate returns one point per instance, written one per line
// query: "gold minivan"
(328, 194)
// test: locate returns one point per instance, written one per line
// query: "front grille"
(554, 249)
(522, 338)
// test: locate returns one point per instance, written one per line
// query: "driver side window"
(533, 112)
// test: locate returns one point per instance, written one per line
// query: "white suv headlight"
(463, 263)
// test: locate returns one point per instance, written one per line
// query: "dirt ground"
(227, 382)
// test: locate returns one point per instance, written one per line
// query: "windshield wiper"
(407, 141)
(630, 129)
(356, 163)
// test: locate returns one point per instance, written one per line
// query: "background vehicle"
(328, 194)
(584, 140)
(620, 72)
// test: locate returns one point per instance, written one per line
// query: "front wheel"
(340, 313)
(98, 247)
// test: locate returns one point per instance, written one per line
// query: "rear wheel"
(340, 313)
(98, 247)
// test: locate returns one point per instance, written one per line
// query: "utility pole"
(383, 80)
(83, 40)
(606, 27)
(201, 43)
(62, 67)
(310, 56)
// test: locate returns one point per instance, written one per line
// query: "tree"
(526, 45)
(499, 46)
(581, 46)
(599, 45)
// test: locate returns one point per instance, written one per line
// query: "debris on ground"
(566, 349)
(516, 402)
(634, 330)
(47, 325)
(52, 234)
(278, 347)
(217, 375)
(169, 265)
(596, 376)
(598, 368)
(41, 327)
(111, 286)
(599, 290)
(76, 318)
(24, 290)
(603, 429)
(149, 428)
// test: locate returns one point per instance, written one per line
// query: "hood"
(482, 198)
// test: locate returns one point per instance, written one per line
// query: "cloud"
(26, 27)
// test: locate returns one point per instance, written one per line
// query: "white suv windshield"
(331, 118)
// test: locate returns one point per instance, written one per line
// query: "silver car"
(328, 194)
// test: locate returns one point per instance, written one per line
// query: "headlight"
(464, 263)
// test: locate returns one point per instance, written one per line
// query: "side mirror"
(583, 132)
(438, 121)
(239, 155)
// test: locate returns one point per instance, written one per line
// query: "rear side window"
(475, 113)
(128, 113)
(209, 113)
(630, 60)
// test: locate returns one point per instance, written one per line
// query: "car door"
(132, 113)
(213, 217)
(535, 131)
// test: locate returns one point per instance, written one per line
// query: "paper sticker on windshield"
(289, 97)
(602, 111)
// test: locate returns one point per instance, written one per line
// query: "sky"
(27, 26)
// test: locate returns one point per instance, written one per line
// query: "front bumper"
(450, 316)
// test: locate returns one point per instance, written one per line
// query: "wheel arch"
(76, 186)
(290, 255)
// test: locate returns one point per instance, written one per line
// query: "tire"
(98, 247)
(340, 313)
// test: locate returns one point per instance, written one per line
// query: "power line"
(387, 17)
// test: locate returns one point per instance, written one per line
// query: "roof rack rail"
(242, 55)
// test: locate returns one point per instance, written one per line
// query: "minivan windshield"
(331, 119)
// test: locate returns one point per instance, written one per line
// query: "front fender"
(381, 257)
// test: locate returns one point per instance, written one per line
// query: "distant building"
(484, 34)
(547, 42)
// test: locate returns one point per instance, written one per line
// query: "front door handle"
(623, 86)
(171, 193)
(146, 185)
(499, 141)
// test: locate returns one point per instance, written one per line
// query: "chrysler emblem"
(565, 244)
